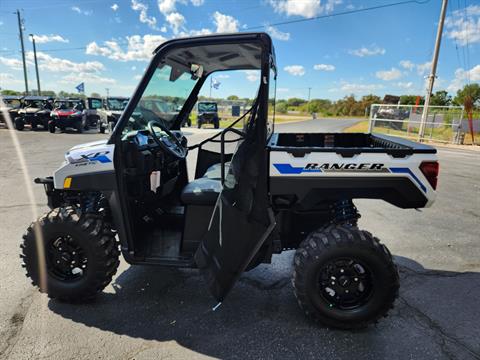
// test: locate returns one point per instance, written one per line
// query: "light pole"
(36, 64)
(20, 29)
(431, 78)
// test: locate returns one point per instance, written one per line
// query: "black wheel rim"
(66, 260)
(345, 283)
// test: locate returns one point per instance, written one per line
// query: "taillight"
(430, 170)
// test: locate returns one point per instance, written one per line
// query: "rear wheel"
(19, 123)
(80, 253)
(216, 123)
(199, 124)
(344, 278)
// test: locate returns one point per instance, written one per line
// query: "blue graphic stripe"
(289, 169)
(409, 172)
(100, 158)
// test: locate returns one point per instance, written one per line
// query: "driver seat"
(204, 190)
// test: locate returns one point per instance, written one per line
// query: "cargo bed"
(352, 165)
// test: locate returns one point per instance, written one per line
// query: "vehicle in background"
(11, 104)
(207, 113)
(35, 111)
(94, 104)
(111, 111)
(393, 112)
(68, 113)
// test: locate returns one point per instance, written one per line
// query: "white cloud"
(222, 76)
(324, 67)
(295, 70)
(407, 64)
(461, 77)
(388, 75)
(176, 21)
(365, 51)
(356, 88)
(197, 2)
(137, 77)
(167, 6)
(277, 34)
(283, 89)
(11, 62)
(42, 39)
(252, 75)
(75, 78)
(304, 8)
(53, 64)
(139, 48)
(151, 21)
(424, 68)
(404, 85)
(6, 77)
(114, 7)
(464, 25)
(225, 23)
(82, 12)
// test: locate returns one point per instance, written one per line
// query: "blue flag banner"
(216, 84)
(80, 87)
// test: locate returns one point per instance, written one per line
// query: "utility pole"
(108, 91)
(431, 78)
(36, 64)
(20, 29)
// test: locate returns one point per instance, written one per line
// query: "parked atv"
(111, 111)
(207, 113)
(35, 111)
(91, 112)
(12, 105)
(276, 192)
(68, 114)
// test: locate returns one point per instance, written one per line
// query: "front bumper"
(54, 197)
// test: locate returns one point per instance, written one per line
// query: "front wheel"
(344, 278)
(70, 256)
(51, 126)
(19, 124)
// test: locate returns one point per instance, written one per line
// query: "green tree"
(49, 93)
(411, 100)
(233, 97)
(10, 92)
(95, 95)
(441, 98)
(471, 89)
(295, 102)
(281, 107)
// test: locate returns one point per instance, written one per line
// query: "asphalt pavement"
(153, 313)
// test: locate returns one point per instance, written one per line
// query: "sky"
(108, 44)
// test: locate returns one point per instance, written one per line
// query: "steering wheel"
(168, 142)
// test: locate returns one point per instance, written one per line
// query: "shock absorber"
(345, 213)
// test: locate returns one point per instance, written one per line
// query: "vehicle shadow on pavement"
(436, 315)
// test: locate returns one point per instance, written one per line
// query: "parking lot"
(152, 313)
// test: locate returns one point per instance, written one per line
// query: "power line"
(348, 12)
(465, 29)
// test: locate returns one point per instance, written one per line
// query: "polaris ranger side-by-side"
(276, 192)
(207, 113)
(35, 111)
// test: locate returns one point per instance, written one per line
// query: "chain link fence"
(443, 124)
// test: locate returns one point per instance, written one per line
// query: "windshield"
(163, 98)
(13, 103)
(34, 103)
(207, 107)
(64, 105)
(116, 104)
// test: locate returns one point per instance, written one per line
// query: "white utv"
(276, 192)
